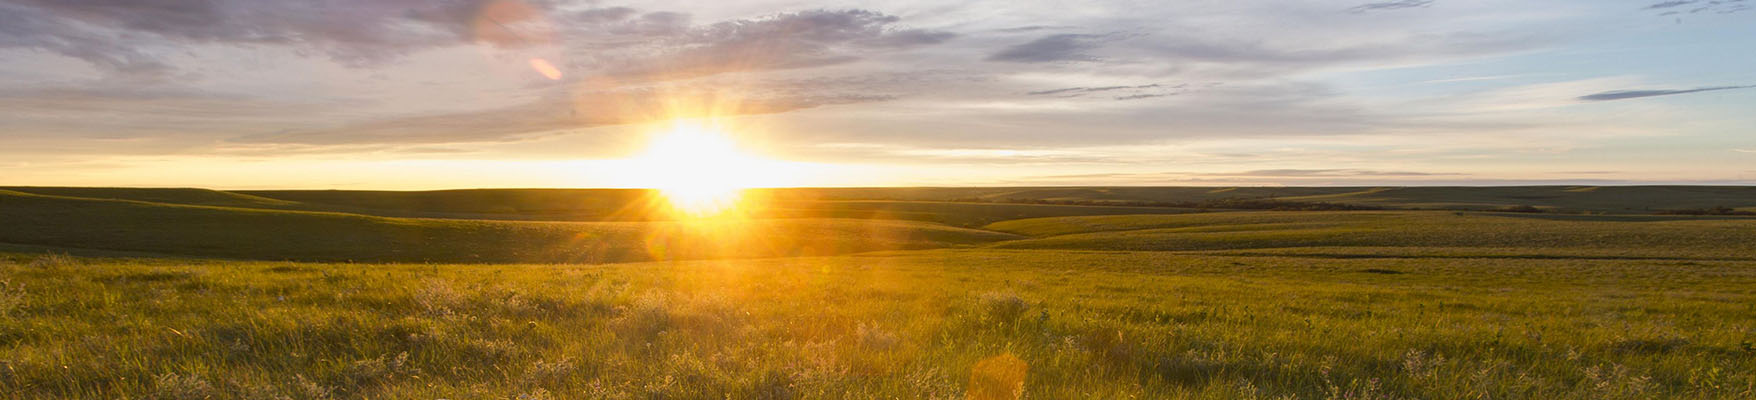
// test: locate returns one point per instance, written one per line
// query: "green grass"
(123, 225)
(1610, 199)
(928, 204)
(1215, 305)
(185, 196)
(1651, 236)
(583, 204)
(913, 324)
(951, 213)
(638, 205)
(1594, 199)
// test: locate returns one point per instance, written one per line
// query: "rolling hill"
(129, 225)
(1573, 199)
(1372, 231)
(611, 225)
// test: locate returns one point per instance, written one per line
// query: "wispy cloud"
(1390, 5)
(1090, 89)
(1053, 48)
(778, 42)
(551, 115)
(1678, 7)
(1634, 94)
(1670, 4)
(1472, 79)
(1320, 172)
(112, 34)
(1143, 96)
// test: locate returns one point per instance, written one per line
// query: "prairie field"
(263, 297)
(877, 199)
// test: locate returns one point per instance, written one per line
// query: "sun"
(701, 171)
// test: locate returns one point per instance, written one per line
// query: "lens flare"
(544, 67)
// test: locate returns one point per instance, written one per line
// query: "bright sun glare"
(701, 171)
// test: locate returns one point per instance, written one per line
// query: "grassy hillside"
(503, 226)
(1115, 193)
(644, 205)
(1605, 199)
(954, 206)
(951, 213)
(565, 204)
(920, 324)
(269, 234)
(1649, 235)
(1612, 199)
(1216, 305)
(188, 196)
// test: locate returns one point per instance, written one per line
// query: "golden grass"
(919, 324)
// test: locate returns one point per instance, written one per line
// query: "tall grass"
(934, 324)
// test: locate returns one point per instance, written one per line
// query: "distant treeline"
(1721, 210)
(1228, 203)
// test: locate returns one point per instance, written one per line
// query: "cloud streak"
(1053, 48)
(1390, 5)
(1319, 172)
(1635, 94)
(626, 42)
(1679, 7)
(804, 39)
(111, 33)
(1079, 90)
(551, 115)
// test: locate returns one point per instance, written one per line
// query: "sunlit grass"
(936, 324)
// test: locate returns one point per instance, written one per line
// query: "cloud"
(1675, 7)
(132, 120)
(111, 33)
(805, 39)
(1390, 5)
(28, 28)
(1319, 172)
(1052, 48)
(1472, 79)
(1076, 90)
(631, 66)
(1128, 92)
(1028, 28)
(551, 115)
(1670, 4)
(1182, 179)
(601, 15)
(1143, 96)
(1254, 177)
(1745, 150)
(128, 36)
(1633, 94)
(911, 38)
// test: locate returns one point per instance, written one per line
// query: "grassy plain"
(165, 302)
(884, 325)
(929, 204)
(1536, 235)
(125, 225)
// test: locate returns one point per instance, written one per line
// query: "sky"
(421, 94)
